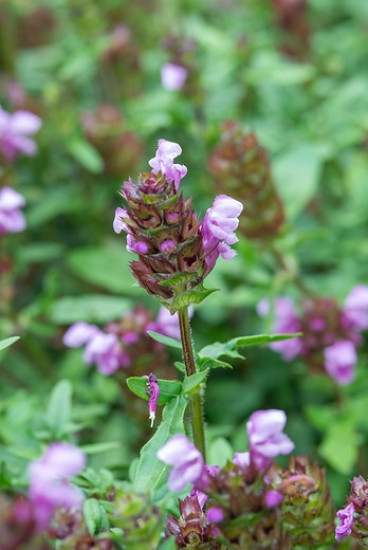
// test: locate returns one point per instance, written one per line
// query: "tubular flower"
(266, 437)
(14, 131)
(346, 517)
(49, 480)
(12, 219)
(176, 252)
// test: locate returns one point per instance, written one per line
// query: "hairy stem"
(196, 408)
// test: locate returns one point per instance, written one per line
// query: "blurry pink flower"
(356, 308)
(214, 514)
(340, 361)
(14, 131)
(266, 437)
(173, 76)
(218, 226)
(187, 462)
(101, 348)
(242, 459)
(12, 219)
(49, 486)
(346, 517)
(163, 162)
(286, 322)
(273, 498)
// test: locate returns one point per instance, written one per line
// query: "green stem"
(196, 408)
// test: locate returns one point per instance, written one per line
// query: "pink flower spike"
(153, 393)
(49, 484)
(187, 462)
(340, 361)
(266, 437)
(173, 76)
(346, 517)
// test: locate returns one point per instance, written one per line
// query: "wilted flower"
(173, 76)
(12, 219)
(14, 131)
(266, 437)
(346, 517)
(153, 393)
(340, 361)
(187, 462)
(49, 480)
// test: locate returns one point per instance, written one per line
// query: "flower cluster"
(330, 334)
(354, 516)
(120, 344)
(12, 219)
(49, 486)
(15, 130)
(176, 252)
(251, 502)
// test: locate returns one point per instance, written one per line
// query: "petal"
(79, 334)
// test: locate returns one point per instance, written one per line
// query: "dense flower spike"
(307, 510)
(14, 131)
(12, 219)
(330, 334)
(187, 462)
(266, 437)
(49, 480)
(238, 163)
(176, 252)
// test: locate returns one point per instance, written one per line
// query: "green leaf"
(86, 155)
(259, 339)
(8, 342)
(207, 363)
(150, 471)
(168, 544)
(96, 448)
(170, 342)
(92, 308)
(185, 299)
(180, 366)
(297, 174)
(94, 515)
(193, 382)
(220, 451)
(218, 349)
(340, 447)
(59, 408)
(168, 388)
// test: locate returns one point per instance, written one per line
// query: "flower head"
(14, 131)
(173, 76)
(187, 461)
(346, 517)
(340, 361)
(11, 217)
(49, 480)
(266, 437)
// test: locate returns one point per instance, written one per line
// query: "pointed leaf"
(150, 471)
(193, 382)
(8, 342)
(168, 388)
(59, 409)
(185, 299)
(259, 339)
(170, 342)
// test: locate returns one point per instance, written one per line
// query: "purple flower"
(242, 459)
(49, 484)
(103, 349)
(346, 517)
(14, 131)
(266, 437)
(340, 361)
(356, 308)
(163, 162)
(273, 498)
(153, 393)
(218, 226)
(187, 462)
(173, 76)
(286, 322)
(214, 514)
(11, 218)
